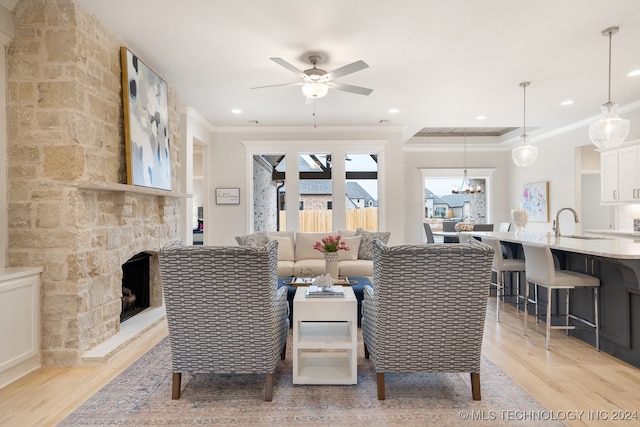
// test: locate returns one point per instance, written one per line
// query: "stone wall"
(264, 196)
(65, 130)
(478, 202)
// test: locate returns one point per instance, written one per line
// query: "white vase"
(331, 264)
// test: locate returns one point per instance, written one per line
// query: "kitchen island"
(616, 262)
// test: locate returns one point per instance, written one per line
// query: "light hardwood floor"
(570, 378)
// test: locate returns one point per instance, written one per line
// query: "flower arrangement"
(331, 244)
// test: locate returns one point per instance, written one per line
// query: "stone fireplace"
(69, 209)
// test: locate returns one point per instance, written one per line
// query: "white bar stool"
(501, 266)
(540, 271)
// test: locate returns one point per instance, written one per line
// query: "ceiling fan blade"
(347, 69)
(349, 88)
(286, 65)
(282, 84)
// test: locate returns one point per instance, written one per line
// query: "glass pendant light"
(524, 155)
(609, 130)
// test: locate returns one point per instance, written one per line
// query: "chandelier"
(465, 187)
(524, 155)
(609, 130)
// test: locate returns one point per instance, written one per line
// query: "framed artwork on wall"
(227, 196)
(535, 200)
(146, 124)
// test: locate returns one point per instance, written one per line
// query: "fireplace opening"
(135, 286)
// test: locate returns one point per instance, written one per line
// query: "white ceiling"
(441, 63)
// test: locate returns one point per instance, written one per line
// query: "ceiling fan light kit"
(316, 82)
(524, 155)
(315, 90)
(609, 130)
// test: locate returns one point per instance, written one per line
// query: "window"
(362, 191)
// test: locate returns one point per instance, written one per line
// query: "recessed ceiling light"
(394, 111)
(236, 111)
(567, 102)
(634, 73)
(481, 117)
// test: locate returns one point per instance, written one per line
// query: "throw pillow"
(353, 243)
(173, 245)
(285, 248)
(366, 245)
(288, 234)
(304, 245)
(257, 239)
(347, 233)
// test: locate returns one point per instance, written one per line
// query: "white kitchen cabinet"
(20, 320)
(629, 174)
(609, 177)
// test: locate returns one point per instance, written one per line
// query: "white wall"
(417, 158)
(229, 162)
(559, 162)
(194, 130)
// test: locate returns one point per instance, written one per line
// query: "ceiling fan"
(316, 82)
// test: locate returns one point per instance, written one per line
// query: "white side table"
(325, 339)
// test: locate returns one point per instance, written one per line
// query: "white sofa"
(296, 256)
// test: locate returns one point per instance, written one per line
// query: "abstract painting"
(535, 200)
(146, 124)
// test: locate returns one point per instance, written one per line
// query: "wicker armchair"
(426, 311)
(224, 310)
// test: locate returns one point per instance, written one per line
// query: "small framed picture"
(227, 196)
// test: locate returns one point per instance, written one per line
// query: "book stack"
(320, 292)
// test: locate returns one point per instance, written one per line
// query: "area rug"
(141, 396)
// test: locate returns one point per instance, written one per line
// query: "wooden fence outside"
(321, 220)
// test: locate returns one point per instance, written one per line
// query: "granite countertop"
(609, 247)
(621, 233)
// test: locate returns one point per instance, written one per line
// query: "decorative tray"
(308, 281)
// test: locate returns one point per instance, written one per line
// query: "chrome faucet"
(556, 223)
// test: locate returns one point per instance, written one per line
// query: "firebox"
(135, 285)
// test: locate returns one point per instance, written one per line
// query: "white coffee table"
(325, 339)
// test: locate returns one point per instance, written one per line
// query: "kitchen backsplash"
(628, 217)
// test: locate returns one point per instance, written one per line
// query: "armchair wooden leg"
(366, 352)
(380, 381)
(175, 386)
(268, 388)
(475, 385)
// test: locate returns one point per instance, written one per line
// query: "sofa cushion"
(359, 267)
(304, 245)
(308, 267)
(366, 245)
(347, 233)
(257, 239)
(285, 268)
(285, 248)
(353, 243)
